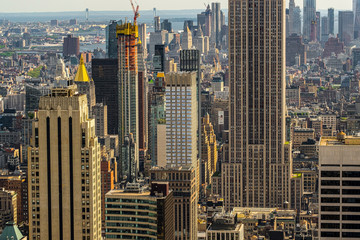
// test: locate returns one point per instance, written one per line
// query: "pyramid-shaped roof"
(82, 74)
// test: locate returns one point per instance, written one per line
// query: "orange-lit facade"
(107, 180)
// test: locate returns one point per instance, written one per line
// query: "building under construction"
(127, 35)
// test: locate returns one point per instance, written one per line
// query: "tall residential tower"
(128, 99)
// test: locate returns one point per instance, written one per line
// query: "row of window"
(337, 191)
(344, 234)
(337, 209)
(337, 200)
(345, 174)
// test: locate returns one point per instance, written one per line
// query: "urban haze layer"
(213, 124)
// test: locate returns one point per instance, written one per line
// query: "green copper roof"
(11, 231)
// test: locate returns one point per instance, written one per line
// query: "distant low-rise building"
(226, 227)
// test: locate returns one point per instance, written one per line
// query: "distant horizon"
(48, 6)
(130, 11)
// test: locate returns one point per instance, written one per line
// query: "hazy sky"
(119, 5)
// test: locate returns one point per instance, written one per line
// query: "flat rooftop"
(334, 141)
(123, 193)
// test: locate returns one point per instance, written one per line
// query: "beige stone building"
(329, 121)
(186, 39)
(8, 207)
(183, 181)
(209, 153)
(64, 170)
(258, 170)
(301, 135)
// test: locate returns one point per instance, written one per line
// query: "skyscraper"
(181, 119)
(295, 49)
(216, 22)
(183, 181)
(157, 25)
(331, 18)
(257, 170)
(186, 39)
(157, 122)
(355, 57)
(296, 28)
(128, 98)
(205, 21)
(85, 85)
(313, 31)
(324, 29)
(209, 154)
(100, 114)
(346, 26)
(166, 25)
(105, 76)
(318, 26)
(309, 17)
(159, 59)
(64, 169)
(190, 62)
(356, 10)
(198, 40)
(142, 109)
(291, 16)
(111, 40)
(143, 37)
(71, 46)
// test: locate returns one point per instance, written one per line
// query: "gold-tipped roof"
(82, 74)
(160, 75)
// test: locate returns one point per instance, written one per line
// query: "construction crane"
(136, 11)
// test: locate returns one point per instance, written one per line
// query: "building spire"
(82, 74)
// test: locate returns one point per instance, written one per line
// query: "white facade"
(181, 119)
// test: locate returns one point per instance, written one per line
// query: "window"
(330, 182)
(330, 225)
(351, 191)
(330, 173)
(330, 208)
(330, 200)
(330, 217)
(330, 191)
(348, 174)
(330, 234)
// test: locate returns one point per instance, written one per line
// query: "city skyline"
(68, 5)
(235, 119)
